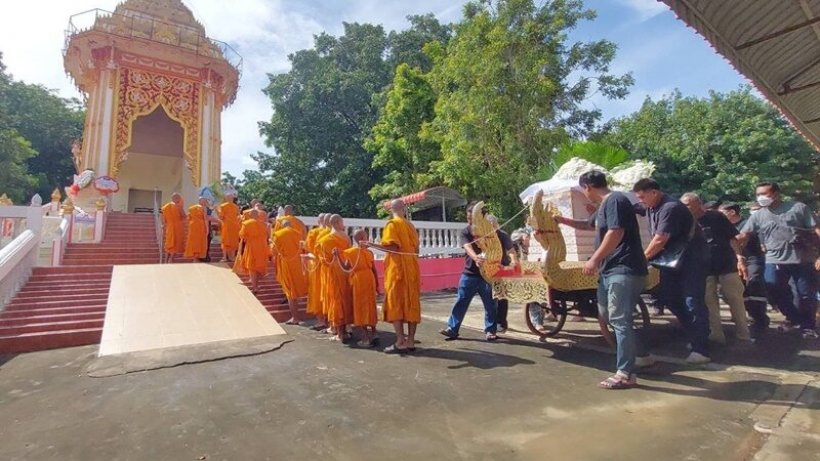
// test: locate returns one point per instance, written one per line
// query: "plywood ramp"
(157, 306)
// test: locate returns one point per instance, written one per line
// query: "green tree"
(322, 113)
(510, 88)
(15, 150)
(50, 123)
(719, 146)
(396, 140)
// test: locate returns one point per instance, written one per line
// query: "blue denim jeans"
(777, 282)
(618, 294)
(468, 287)
(684, 292)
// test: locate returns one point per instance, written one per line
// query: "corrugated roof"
(774, 43)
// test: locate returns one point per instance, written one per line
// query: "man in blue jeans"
(471, 284)
(620, 261)
(786, 230)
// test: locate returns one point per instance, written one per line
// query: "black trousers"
(501, 313)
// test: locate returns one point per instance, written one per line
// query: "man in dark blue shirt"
(683, 288)
(470, 284)
(619, 260)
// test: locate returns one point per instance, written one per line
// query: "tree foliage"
(508, 88)
(324, 108)
(48, 124)
(719, 146)
(14, 150)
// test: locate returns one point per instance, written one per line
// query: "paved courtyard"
(519, 398)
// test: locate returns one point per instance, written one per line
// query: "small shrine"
(155, 86)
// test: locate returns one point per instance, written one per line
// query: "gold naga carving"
(486, 239)
(559, 273)
(139, 93)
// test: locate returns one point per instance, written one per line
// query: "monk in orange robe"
(286, 242)
(402, 280)
(323, 268)
(337, 289)
(173, 225)
(196, 245)
(254, 259)
(313, 269)
(363, 284)
(295, 222)
(229, 228)
(247, 213)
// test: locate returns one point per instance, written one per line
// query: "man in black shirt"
(471, 284)
(754, 260)
(683, 288)
(620, 261)
(725, 264)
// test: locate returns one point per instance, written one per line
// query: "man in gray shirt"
(786, 230)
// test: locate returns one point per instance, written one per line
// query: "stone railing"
(19, 255)
(436, 239)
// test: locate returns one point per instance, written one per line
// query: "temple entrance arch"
(155, 161)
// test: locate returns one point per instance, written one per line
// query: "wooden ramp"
(152, 307)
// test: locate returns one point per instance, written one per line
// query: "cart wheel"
(641, 319)
(540, 310)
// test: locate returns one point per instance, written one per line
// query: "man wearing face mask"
(786, 230)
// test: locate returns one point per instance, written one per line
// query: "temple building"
(155, 86)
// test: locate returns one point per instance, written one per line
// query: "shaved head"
(176, 197)
(360, 234)
(253, 214)
(288, 209)
(398, 207)
(337, 222)
(254, 202)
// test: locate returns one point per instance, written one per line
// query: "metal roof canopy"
(430, 198)
(774, 43)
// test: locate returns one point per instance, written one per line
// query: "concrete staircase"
(65, 306)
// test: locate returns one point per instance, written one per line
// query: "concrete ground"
(516, 399)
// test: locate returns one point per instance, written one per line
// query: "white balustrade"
(19, 255)
(435, 238)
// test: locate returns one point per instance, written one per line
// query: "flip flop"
(618, 382)
(392, 349)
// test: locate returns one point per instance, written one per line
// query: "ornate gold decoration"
(484, 232)
(56, 196)
(139, 92)
(528, 287)
(5, 200)
(559, 273)
(100, 204)
(68, 206)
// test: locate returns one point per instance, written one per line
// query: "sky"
(660, 51)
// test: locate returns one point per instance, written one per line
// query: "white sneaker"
(697, 359)
(809, 334)
(644, 362)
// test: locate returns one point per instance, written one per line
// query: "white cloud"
(646, 9)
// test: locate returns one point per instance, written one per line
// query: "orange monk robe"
(336, 299)
(402, 281)
(323, 232)
(196, 246)
(289, 272)
(255, 255)
(229, 215)
(295, 223)
(172, 216)
(314, 301)
(363, 286)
